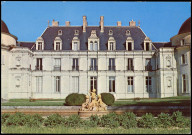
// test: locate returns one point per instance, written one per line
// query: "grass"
(97, 130)
(171, 101)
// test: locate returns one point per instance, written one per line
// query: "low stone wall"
(70, 110)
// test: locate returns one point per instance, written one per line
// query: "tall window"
(57, 65)
(147, 46)
(39, 46)
(130, 84)
(75, 46)
(91, 46)
(111, 46)
(75, 84)
(75, 64)
(111, 63)
(130, 64)
(58, 45)
(129, 46)
(39, 64)
(57, 84)
(111, 84)
(185, 81)
(148, 66)
(39, 84)
(95, 46)
(184, 58)
(148, 84)
(93, 64)
(93, 83)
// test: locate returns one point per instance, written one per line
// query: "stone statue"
(94, 104)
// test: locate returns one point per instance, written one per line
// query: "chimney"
(67, 23)
(84, 23)
(102, 23)
(55, 23)
(132, 23)
(119, 23)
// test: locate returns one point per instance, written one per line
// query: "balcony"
(148, 68)
(75, 68)
(112, 68)
(57, 68)
(130, 68)
(38, 67)
(93, 68)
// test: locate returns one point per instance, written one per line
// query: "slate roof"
(26, 44)
(162, 44)
(185, 27)
(119, 34)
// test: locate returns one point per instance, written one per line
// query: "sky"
(159, 20)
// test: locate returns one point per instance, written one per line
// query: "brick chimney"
(67, 23)
(55, 23)
(84, 23)
(119, 23)
(132, 23)
(102, 23)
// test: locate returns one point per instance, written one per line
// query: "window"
(93, 66)
(148, 66)
(75, 84)
(129, 46)
(39, 46)
(57, 46)
(60, 32)
(93, 83)
(182, 42)
(130, 84)
(111, 84)
(57, 65)
(184, 83)
(91, 46)
(76, 32)
(75, 64)
(57, 84)
(147, 46)
(95, 46)
(130, 64)
(75, 46)
(184, 58)
(148, 84)
(128, 32)
(110, 32)
(39, 84)
(111, 46)
(93, 41)
(111, 64)
(39, 64)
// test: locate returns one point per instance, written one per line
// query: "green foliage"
(179, 120)
(147, 121)
(165, 120)
(129, 120)
(73, 121)
(110, 120)
(35, 120)
(75, 99)
(53, 120)
(108, 98)
(94, 120)
(17, 119)
(4, 117)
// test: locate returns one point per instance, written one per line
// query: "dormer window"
(110, 32)
(93, 41)
(111, 44)
(127, 33)
(129, 44)
(76, 32)
(75, 44)
(57, 44)
(40, 44)
(60, 32)
(147, 44)
(182, 42)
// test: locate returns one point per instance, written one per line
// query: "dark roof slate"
(26, 44)
(162, 44)
(68, 34)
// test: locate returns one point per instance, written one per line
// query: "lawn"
(97, 130)
(175, 101)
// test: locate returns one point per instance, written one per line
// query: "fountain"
(93, 105)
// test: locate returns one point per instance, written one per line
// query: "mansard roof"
(119, 34)
(26, 44)
(162, 44)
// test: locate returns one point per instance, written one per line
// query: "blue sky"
(159, 20)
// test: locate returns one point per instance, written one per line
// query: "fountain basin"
(86, 114)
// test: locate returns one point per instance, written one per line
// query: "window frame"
(130, 80)
(112, 82)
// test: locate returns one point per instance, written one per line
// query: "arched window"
(91, 46)
(95, 46)
(60, 32)
(127, 32)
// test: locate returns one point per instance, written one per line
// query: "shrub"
(17, 119)
(108, 98)
(75, 99)
(165, 120)
(179, 120)
(4, 117)
(129, 120)
(73, 121)
(94, 120)
(110, 120)
(54, 120)
(35, 120)
(147, 121)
